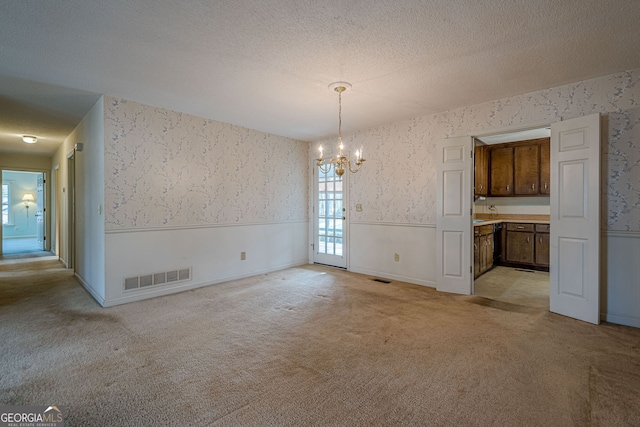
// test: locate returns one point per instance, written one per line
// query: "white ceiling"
(266, 64)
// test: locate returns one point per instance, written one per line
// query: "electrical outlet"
(358, 207)
(243, 256)
(396, 257)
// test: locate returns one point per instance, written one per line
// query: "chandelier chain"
(340, 90)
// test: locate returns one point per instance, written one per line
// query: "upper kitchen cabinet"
(501, 166)
(526, 169)
(481, 170)
(545, 169)
(519, 168)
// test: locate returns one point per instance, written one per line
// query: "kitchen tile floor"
(514, 285)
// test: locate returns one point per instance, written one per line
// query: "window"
(6, 196)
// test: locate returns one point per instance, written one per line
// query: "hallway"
(21, 246)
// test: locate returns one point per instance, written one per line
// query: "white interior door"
(330, 218)
(575, 218)
(453, 228)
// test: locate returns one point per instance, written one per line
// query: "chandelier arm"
(358, 165)
(325, 168)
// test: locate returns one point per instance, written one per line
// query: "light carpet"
(307, 346)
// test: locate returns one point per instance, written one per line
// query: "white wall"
(620, 274)
(397, 184)
(212, 252)
(187, 192)
(90, 253)
(374, 247)
(514, 205)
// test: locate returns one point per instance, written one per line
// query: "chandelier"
(340, 161)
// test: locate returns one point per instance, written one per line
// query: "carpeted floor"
(307, 346)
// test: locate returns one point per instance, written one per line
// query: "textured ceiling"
(266, 64)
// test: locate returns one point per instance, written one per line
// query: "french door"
(330, 219)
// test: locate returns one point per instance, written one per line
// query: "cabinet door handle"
(528, 239)
(507, 188)
(541, 240)
(520, 227)
(533, 187)
(545, 185)
(475, 246)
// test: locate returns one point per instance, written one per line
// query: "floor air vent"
(146, 280)
(381, 280)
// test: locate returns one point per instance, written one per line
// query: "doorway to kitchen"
(511, 213)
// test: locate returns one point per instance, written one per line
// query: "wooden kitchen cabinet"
(501, 174)
(542, 245)
(526, 170)
(481, 170)
(482, 249)
(519, 168)
(545, 167)
(519, 244)
(527, 245)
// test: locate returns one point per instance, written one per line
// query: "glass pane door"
(330, 218)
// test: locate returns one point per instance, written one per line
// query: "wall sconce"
(28, 197)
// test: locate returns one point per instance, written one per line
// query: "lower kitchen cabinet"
(527, 245)
(542, 245)
(519, 243)
(483, 244)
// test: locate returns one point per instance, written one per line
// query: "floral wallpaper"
(397, 184)
(164, 168)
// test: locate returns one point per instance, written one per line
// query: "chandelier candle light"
(340, 162)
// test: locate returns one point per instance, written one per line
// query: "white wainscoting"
(620, 278)
(374, 245)
(212, 252)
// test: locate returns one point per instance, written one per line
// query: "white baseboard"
(621, 320)
(89, 289)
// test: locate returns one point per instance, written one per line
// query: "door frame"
(501, 131)
(554, 189)
(46, 190)
(71, 210)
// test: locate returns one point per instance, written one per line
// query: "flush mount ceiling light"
(29, 139)
(340, 161)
